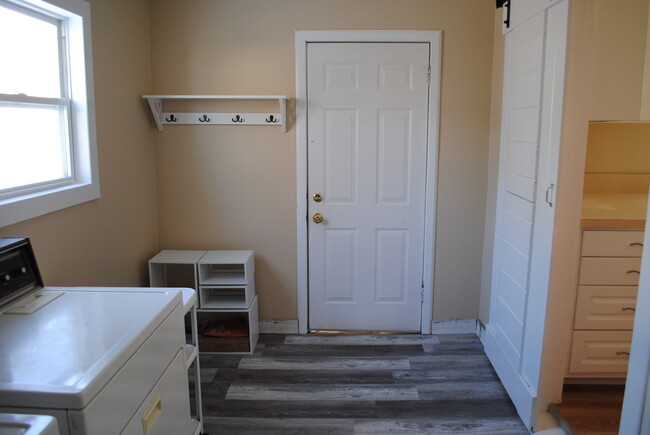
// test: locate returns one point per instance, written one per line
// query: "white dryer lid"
(62, 355)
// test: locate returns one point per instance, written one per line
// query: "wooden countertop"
(614, 210)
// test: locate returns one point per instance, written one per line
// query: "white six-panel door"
(530, 138)
(367, 107)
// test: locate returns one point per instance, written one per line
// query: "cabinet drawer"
(166, 409)
(609, 271)
(600, 352)
(605, 307)
(612, 243)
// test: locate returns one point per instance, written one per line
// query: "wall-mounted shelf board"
(204, 118)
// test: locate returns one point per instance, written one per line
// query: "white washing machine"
(99, 360)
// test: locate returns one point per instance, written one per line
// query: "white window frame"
(83, 185)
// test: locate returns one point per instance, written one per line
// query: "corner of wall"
(645, 92)
(152, 131)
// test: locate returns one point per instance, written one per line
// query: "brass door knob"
(318, 218)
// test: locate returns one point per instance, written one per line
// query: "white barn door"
(367, 106)
(530, 136)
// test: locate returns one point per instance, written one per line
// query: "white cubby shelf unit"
(192, 360)
(225, 285)
(226, 279)
(208, 118)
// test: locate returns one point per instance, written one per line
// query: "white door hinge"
(422, 294)
(429, 75)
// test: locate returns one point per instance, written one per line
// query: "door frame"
(635, 417)
(304, 37)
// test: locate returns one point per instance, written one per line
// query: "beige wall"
(618, 157)
(645, 94)
(618, 148)
(226, 187)
(616, 64)
(107, 241)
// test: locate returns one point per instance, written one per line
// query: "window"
(47, 127)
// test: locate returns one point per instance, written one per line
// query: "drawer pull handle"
(622, 353)
(633, 271)
(636, 244)
(149, 418)
(628, 309)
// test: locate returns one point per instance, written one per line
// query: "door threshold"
(324, 331)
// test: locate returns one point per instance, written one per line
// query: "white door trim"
(433, 37)
(635, 418)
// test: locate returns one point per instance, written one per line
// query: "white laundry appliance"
(25, 424)
(101, 360)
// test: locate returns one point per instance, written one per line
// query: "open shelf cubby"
(238, 329)
(174, 269)
(226, 268)
(224, 297)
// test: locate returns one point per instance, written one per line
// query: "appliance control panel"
(19, 274)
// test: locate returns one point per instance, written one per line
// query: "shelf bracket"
(283, 113)
(156, 109)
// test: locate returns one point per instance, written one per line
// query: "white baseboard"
(547, 424)
(454, 326)
(271, 326)
(480, 328)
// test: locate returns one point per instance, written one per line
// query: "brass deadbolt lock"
(318, 197)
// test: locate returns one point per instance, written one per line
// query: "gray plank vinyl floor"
(356, 384)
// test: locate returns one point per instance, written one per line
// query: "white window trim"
(85, 186)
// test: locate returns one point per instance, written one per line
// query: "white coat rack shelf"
(205, 118)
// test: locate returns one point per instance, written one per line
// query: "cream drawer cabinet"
(606, 302)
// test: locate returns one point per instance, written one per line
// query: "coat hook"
(171, 118)
(204, 118)
(237, 119)
(272, 119)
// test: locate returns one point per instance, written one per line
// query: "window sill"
(28, 206)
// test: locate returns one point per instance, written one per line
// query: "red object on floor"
(229, 328)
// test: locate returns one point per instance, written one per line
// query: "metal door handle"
(317, 218)
(633, 271)
(636, 244)
(622, 353)
(549, 189)
(628, 309)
